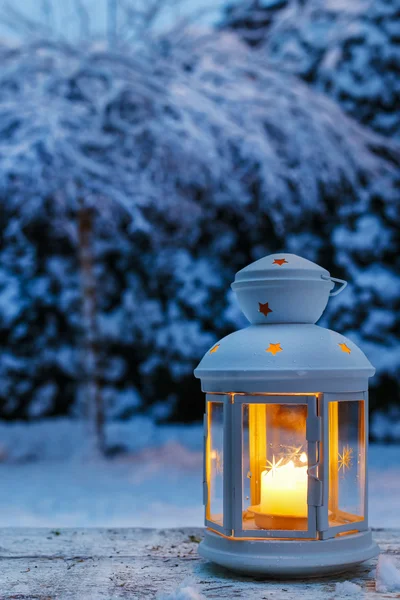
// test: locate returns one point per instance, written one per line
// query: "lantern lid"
(284, 288)
(280, 266)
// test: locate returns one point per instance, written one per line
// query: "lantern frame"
(317, 436)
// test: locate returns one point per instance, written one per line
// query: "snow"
(158, 483)
(347, 588)
(385, 427)
(387, 575)
(186, 591)
(63, 439)
(346, 49)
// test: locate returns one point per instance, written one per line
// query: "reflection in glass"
(215, 462)
(346, 462)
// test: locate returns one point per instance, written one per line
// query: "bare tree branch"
(112, 22)
(47, 10)
(84, 19)
(18, 21)
(41, 28)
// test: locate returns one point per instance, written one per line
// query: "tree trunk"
(92, 389)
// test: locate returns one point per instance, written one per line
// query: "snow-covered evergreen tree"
(252, 19)
(349, 50)
(195, 158)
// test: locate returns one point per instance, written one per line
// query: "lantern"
(286, 430)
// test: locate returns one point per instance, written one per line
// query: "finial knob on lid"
(284, 288)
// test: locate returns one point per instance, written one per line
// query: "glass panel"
(346, 462)
(275, 480)
(215, 462)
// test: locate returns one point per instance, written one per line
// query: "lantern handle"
(340, 289)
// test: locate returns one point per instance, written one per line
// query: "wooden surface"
(112, 564)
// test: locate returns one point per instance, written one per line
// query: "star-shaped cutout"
(214, 349)
(264, 308)
(274, 349)
(280, 261)
(345, 348)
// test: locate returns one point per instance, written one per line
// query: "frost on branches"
(350, 50)
(191, 157)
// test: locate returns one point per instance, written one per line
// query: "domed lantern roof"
(283, 295)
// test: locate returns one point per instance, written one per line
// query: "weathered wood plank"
(130, 564)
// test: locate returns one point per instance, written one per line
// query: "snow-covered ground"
(158, 484)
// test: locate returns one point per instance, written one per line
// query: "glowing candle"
(284, 490)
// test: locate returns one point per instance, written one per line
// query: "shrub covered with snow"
(347, 49)
(195, 158)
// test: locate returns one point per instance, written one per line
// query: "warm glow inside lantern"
(285, 431)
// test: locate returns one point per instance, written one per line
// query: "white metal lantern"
(286, 430)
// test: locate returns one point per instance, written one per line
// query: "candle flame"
(272, 466)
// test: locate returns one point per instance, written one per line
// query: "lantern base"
(289, 558)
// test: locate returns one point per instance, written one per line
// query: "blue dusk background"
(149, 149)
